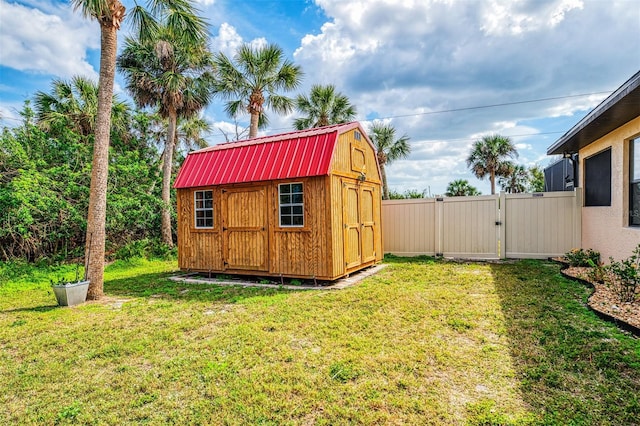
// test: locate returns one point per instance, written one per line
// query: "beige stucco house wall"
(613, 124)
(606, 228)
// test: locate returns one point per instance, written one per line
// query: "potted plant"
(71, 293)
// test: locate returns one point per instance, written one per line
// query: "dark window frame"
(634, 182)
(203, 217)
(291, 205)
(597, 179)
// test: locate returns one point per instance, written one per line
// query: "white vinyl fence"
(536, 225)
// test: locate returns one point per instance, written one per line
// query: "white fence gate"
(536, 225)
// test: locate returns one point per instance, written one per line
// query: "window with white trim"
(634, 182)
(203, 203)
(291, 204)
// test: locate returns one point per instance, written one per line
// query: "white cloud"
(568, 107)
(10, 114)
(411, 60)
(206, 2)
(51, 43)
(517, 17)
(228, 40)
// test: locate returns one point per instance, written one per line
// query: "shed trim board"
(341, 213)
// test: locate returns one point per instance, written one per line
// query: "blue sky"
(399, 61)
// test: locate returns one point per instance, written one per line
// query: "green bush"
(146, 248)
(581, 257)
(623, 277)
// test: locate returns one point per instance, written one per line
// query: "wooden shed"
(304, 204)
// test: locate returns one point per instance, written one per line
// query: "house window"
(597, 179)
(204, 209)
(291, 204)
(634, 182)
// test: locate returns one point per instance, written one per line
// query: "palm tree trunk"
(166, 179)
(96, 217)
(385, 188)
(492, 178)
(253, 127)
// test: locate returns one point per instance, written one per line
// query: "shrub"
(597, 273)
(623, 277)
(146, 248)
(581, 257)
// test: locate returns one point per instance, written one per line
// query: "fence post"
(438, 230)
(502, 228)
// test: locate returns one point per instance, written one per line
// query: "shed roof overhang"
(619, 108)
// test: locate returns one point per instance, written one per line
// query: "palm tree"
(189, 133)
(252, 81)
(488, 158)
(536, 179)
(323, 107)
(174, 75)
(461, 188)
(516, 181)
(110, 15)
(389, 149)
(74, 104)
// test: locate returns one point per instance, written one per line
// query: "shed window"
(597, 179)
(291, 204)
(634, 182)
(204, 209)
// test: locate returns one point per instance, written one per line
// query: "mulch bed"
(605, 302)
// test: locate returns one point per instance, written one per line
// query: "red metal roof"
(288, 155)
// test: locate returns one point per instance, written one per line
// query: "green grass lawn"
(422, 342)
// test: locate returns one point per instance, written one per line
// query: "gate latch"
(498, 223)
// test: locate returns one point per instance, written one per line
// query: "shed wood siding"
(247, 237)
(199, 249)
(301, 251)
(352, 156)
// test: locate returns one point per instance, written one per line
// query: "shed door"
(245, 228)
(367, 223)
(359, 225)
(351, 219)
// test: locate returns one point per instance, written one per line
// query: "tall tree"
(516, 180)
(489, 156)
(323, 107)
(190, 133)
(388, 149)
(73, 105)
(172, 72)
(536, 179)
(252, 81)
(110, 15)
(461, 188)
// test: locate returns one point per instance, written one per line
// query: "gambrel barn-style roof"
(297, 154)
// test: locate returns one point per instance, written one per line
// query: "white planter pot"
(71, 294)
